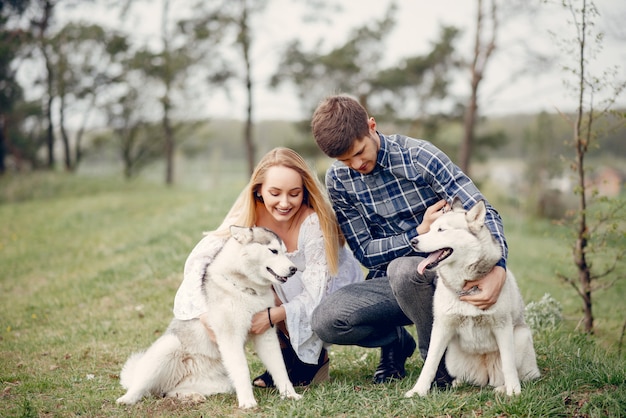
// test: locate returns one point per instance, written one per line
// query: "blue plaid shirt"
(379, 212)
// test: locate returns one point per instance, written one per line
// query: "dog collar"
(472, 290)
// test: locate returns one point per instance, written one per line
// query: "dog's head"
(458, 242)
(262, 255)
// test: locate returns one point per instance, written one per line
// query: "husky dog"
(484, 347)
(186, 363)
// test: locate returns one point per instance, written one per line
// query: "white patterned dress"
(300, 294)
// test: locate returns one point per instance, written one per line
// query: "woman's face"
(282, 192)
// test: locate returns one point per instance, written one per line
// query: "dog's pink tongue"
(432, 257)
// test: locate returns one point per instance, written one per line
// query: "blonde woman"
(284, 196)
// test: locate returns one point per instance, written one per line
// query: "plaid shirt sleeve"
(372, 253)
(449, 182)
(415, 176)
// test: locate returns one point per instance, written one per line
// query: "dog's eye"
(440, 229)
(274, 251)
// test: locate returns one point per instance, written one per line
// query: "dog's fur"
(185, 363)
(484, 347)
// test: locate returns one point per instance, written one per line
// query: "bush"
(544, 314)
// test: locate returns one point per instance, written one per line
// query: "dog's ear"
(241, 234)
(476, 216)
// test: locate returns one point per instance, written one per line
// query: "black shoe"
(263, 381)
(300, 373)
(289, 356)
(393, 357)
(304, 374)
(442, 380)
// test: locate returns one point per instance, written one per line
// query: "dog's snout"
(414, 242)
(292, 270)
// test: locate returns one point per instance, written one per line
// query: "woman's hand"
(260, 322)
(209, 330)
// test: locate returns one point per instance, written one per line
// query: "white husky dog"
(185, 363)
(492, 346)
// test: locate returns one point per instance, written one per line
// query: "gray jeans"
(369, 313)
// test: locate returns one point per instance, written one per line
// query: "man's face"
(362, 156)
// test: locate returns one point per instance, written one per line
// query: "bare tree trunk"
(167, 125)
(3, 147)
(78, 149)
(169, 142)
(469, 123)
(244, 40)
(64, 137)
(482, 53)
(43, 26)
(581, 142)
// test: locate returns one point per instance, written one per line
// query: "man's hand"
(490, 286)
(432, 213)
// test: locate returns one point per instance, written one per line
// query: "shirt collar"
(382, 159)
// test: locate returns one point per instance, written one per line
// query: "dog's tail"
(154, 371)
(129, 370)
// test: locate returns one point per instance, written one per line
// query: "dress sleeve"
(315, 277)
(189, 302)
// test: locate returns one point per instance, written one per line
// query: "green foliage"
(88, 274)
(543, 314)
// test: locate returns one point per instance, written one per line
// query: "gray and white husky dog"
(484, 347)
(186, 363)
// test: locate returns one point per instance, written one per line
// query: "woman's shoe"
(323, 374)
(300, 373)
(263, 381)
(304, 374)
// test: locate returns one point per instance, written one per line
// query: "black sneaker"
(393, 357)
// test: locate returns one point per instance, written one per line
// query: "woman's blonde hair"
(243, 211)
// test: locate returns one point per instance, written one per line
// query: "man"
(386, 190)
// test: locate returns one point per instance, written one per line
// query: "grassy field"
(88, 272)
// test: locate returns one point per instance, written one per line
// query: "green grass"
(89, 268)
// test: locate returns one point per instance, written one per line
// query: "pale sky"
(418, 25)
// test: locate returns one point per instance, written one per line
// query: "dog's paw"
(192, 397)
(509, 391)
(416, 391)
(127, 400)
(247, 403)
(291, 395)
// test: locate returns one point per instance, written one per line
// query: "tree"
(11, 91)
(185, 44)
(602, 234)
(414, 88)
(138, 142)
(42, 24)
(167, 76)
(354, 63)
(84, 58)
(239, 15)
(484, 45)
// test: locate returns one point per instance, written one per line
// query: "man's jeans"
(369, 313)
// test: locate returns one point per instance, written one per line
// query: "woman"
(284, 196)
